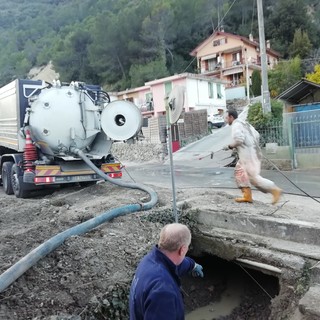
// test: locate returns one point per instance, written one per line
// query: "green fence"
(274, 132)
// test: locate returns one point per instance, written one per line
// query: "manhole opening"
(228, 291)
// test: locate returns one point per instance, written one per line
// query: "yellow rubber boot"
(247, 195)
(276, 193)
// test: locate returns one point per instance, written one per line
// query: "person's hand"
(197, 271)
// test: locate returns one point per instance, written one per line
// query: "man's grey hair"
(173, 236)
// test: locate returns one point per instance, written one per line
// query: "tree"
(125, 34)
(315, 76)
(269, 125)
(284, 75)
(256, 83)
(240, 17)
(301, 45)
(192, 23)
(140, 73)
(312, 60)
(259, 119)
(155, 38)
(287, 16)
(116, 44)
(72, 61)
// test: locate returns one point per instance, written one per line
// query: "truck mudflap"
(53, 174)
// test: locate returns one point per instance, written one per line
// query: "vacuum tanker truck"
(44, 127)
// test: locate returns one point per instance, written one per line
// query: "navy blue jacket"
(155, 290)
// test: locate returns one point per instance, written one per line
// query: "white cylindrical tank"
(62, 117)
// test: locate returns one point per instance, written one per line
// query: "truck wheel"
(17, 183)
(6, 177)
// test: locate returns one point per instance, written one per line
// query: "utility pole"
(247, 76)
(266, 106)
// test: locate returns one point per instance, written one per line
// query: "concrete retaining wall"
(308, 160)
(282, 158)
(279, 156)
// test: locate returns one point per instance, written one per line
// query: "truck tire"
(17, 183)
(6, 177)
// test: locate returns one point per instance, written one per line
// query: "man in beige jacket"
(247, 171)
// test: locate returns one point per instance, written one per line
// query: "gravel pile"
(139, 151)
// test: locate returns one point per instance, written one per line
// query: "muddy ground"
(88, 276)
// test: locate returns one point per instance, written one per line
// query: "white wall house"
(201, 92)
(205, 93)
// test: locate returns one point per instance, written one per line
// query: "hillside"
(124, 43)
(45, 73)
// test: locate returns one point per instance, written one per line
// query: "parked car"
(215, 120)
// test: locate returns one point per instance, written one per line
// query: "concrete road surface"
(203, 164)
(212, 143)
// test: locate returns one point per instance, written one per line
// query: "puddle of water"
(230, 299)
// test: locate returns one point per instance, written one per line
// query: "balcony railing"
(214, 66)
(147, 107)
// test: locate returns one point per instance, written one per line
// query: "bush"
(268, 125)
(257, 118)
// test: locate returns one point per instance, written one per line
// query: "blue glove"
(197, 271)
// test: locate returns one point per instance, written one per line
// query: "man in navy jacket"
(155, 290)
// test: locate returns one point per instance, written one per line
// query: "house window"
(236, 58)
(212, 63)
(148, 96)
(210, 90)
(206, 65)
(219, 93)
(219, 42)
(149, 101)
(235, 79)
(167, 87)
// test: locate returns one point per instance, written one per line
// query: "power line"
(218, 26)
(220, 22)
(253, 11)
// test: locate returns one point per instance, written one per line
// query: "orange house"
(229, 56)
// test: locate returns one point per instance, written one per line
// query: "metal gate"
(306, 129)
(298, 130)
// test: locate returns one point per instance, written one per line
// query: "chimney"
(268, 44)
(250, 37)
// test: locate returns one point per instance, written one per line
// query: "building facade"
(201, 92)
(231, 58)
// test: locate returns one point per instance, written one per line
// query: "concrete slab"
(278, 245)
(309, 304)
(271, 227)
